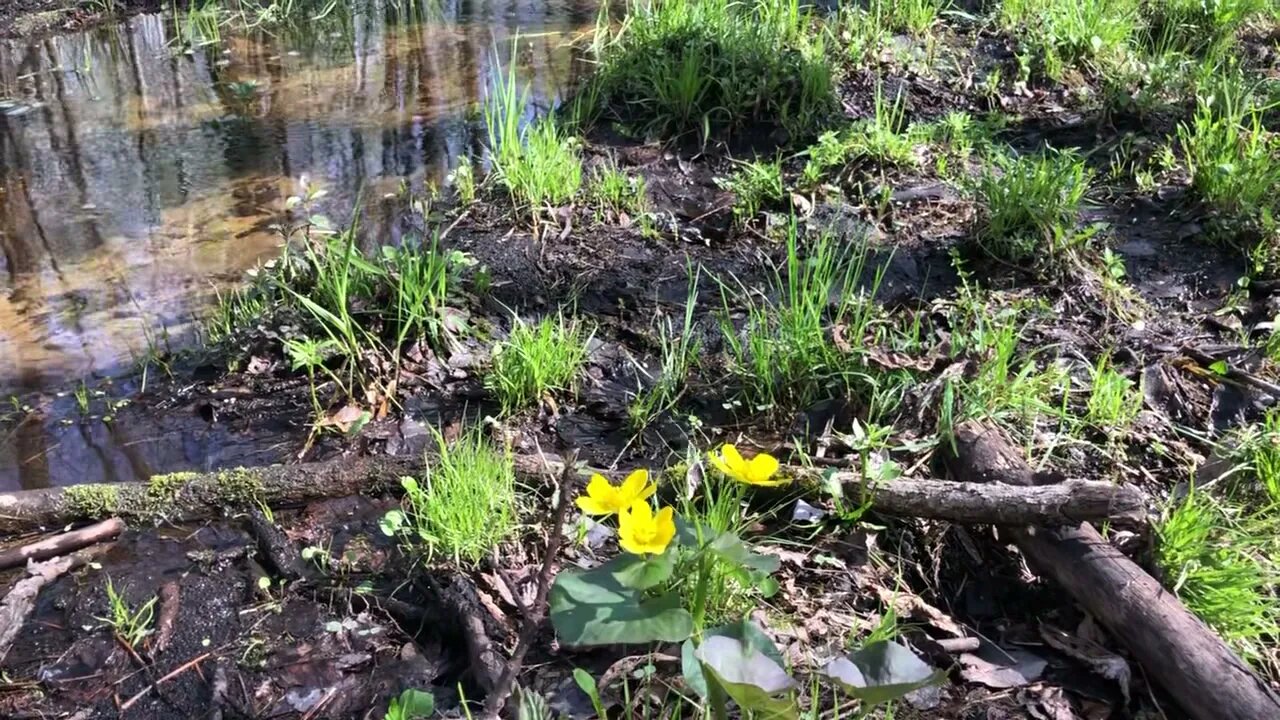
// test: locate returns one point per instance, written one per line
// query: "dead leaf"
(1095, 657)
(1000, 669)
(909, 605)
(346, 418)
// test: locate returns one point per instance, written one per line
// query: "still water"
(135, 177)
(140, 171)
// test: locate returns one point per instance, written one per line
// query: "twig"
(537, 610)
(1232, 372)
(176, 672)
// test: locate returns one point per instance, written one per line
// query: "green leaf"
(392, 522)
(754, 680)
(413, 704)
(882, 671)
(692, 669)
(595, 608)
(731, 548)
(642, 573)
(1219, 367)
(752, 637)
(587, 684)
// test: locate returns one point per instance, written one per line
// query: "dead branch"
(1177, 649)
(61, 544)
(21, 600)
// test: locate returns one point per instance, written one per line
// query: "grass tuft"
(1079, 34)
(537, 359)
(465, 505)
(1030, 204)
(675, 67)
(755, 186)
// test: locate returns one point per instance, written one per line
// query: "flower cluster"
(642, 531)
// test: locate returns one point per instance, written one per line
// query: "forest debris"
(21, 600)
(1000, 669)
(166, 619)
(1221, 367)
(1174, 646)
(276, 550)
(1097, 658)
(61, 544)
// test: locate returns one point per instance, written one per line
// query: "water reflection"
(133, 177)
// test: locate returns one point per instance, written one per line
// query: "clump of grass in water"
(464, 507)
(704, 66)
(1030, 205)
(537, 164)
(535, 360)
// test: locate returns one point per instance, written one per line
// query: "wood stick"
(62, 544)
(189, 496)
(1175, 647)
(21, 600)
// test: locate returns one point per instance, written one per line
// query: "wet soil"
(34, 18)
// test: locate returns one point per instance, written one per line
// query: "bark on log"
(61, 544)
(1177, 649)
(188, 496)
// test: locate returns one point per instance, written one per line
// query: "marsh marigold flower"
(759, 470)
(602, 498)
(642, 532)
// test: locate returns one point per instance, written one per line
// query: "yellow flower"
(640, 531)
(757, 471)
(605, 499)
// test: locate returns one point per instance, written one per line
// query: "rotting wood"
(21, 600)
(61, 544)
(276, 550)
(1176, 648)
(167, 617)
(189, 496)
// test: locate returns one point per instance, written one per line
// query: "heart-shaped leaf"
(882, 671)
(753, 679)
(642, 573)
(595, 608)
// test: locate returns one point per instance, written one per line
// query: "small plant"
(679, 349)
(617, 193)
(755, 186)
(1113, 399)
(81, 394)
(1030, 205)
(537, 164)
(537, 359)
(915, 17)
(464, 507)
(130, 626)
(1064, 34)
(1202, 26)
(411, 705)
(1215, 556)
(464, 183)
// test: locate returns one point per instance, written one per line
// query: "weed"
(755, 185)
(1229, 153)
(1201, 26)
(129, 625)
(411, 705)
(464, 181)
(1113, 399)
(535, 360)
(679, 350)
(680, 66)
(537, 164)
(1065, 34)
(618, 193)
(1215, 555)
(915, 17)
(862, 33)
(784, 354)
(885, 137)
(1030, 205)
(81, 394)
(465, 505)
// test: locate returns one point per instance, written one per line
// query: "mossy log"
(1174, 646)
(189, 495)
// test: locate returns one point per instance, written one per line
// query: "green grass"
(535, 360)
(617, 193)
(465, 504)
(783, 354)
(1114, 400)
(1201, 26)
(535, 162)
(755, 185)
(914, 17)
(464, 181)
(679, 350)
(1030, 205)
(676, 67)
(1219, 556)
(1229, 153)
(1081, 34)
(131, 626)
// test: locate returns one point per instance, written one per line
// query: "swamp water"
(143, 165)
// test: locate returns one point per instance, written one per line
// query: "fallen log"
(61, 544)
(189, 496)
(1176, 648)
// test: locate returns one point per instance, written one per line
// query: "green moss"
(92, 501)
(166, 486)
(239, 485)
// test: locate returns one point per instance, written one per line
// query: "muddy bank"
(35, 18)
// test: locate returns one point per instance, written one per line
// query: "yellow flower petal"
(601, 499)
(719, 463)
(637, 486)
(640, 513)
(761, 468)
(665, 530)
(733, 459)
(591, 506)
